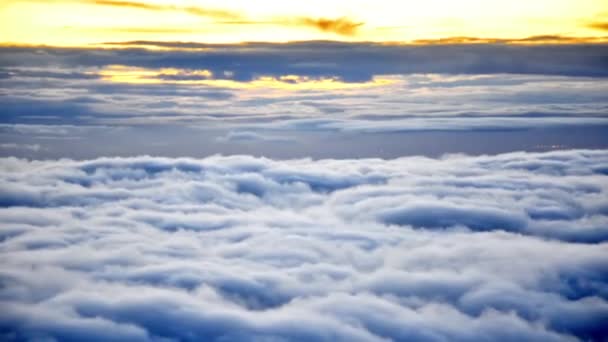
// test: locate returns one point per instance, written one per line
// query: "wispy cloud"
(149, 30)
(342, 26)
(131, 4)
(198, 11)
(599, 25)
(540, 39)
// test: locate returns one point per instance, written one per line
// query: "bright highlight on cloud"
(227, 248)
(204, 77)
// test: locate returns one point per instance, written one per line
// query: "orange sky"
(84, 22)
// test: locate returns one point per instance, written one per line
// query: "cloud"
(342, 26)
(322, 59)
(197, 11)
(29, 147)
(603, 26)
(149, 30)
(460, 248)
(247, 136)
(131, 4)
(385, 101)
(540, 39)
(426, 124)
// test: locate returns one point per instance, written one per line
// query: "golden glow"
(86, 22)
(133, 75)
(126, 74)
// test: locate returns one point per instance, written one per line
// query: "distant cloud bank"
(507, 247)
(308, 86)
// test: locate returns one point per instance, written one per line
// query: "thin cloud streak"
(198, 11)
(548, 39)
(603, 26)
(341, 26)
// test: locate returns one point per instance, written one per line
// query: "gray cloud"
(248, 136)
(506, 247)
(14, 146)
(445, 88)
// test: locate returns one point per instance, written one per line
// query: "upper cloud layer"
(350, 62)
(328, 83)
(509, 247)
(328, 99)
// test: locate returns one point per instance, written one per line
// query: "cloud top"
(506, 247)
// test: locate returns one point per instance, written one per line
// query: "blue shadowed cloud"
(476, 98)
(462, 248)
(351, 62)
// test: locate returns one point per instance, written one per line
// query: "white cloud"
(507, 247)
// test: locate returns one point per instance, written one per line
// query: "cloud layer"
(509, 247)
(303, 86)
(327, 99)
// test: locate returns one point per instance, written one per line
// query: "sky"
(85, 22)
(303, 171)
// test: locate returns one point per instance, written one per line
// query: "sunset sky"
(84, 22)
(315, 170)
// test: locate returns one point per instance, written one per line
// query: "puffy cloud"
(506, 247)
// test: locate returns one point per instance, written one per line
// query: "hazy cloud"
(198, 11)
(342, 26)
(245, 136)
(541, 39)
(384, 100)
(599, 26)
(316, 59)
(14, 146)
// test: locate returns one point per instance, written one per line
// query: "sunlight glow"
(132, 75)
(85, 22)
